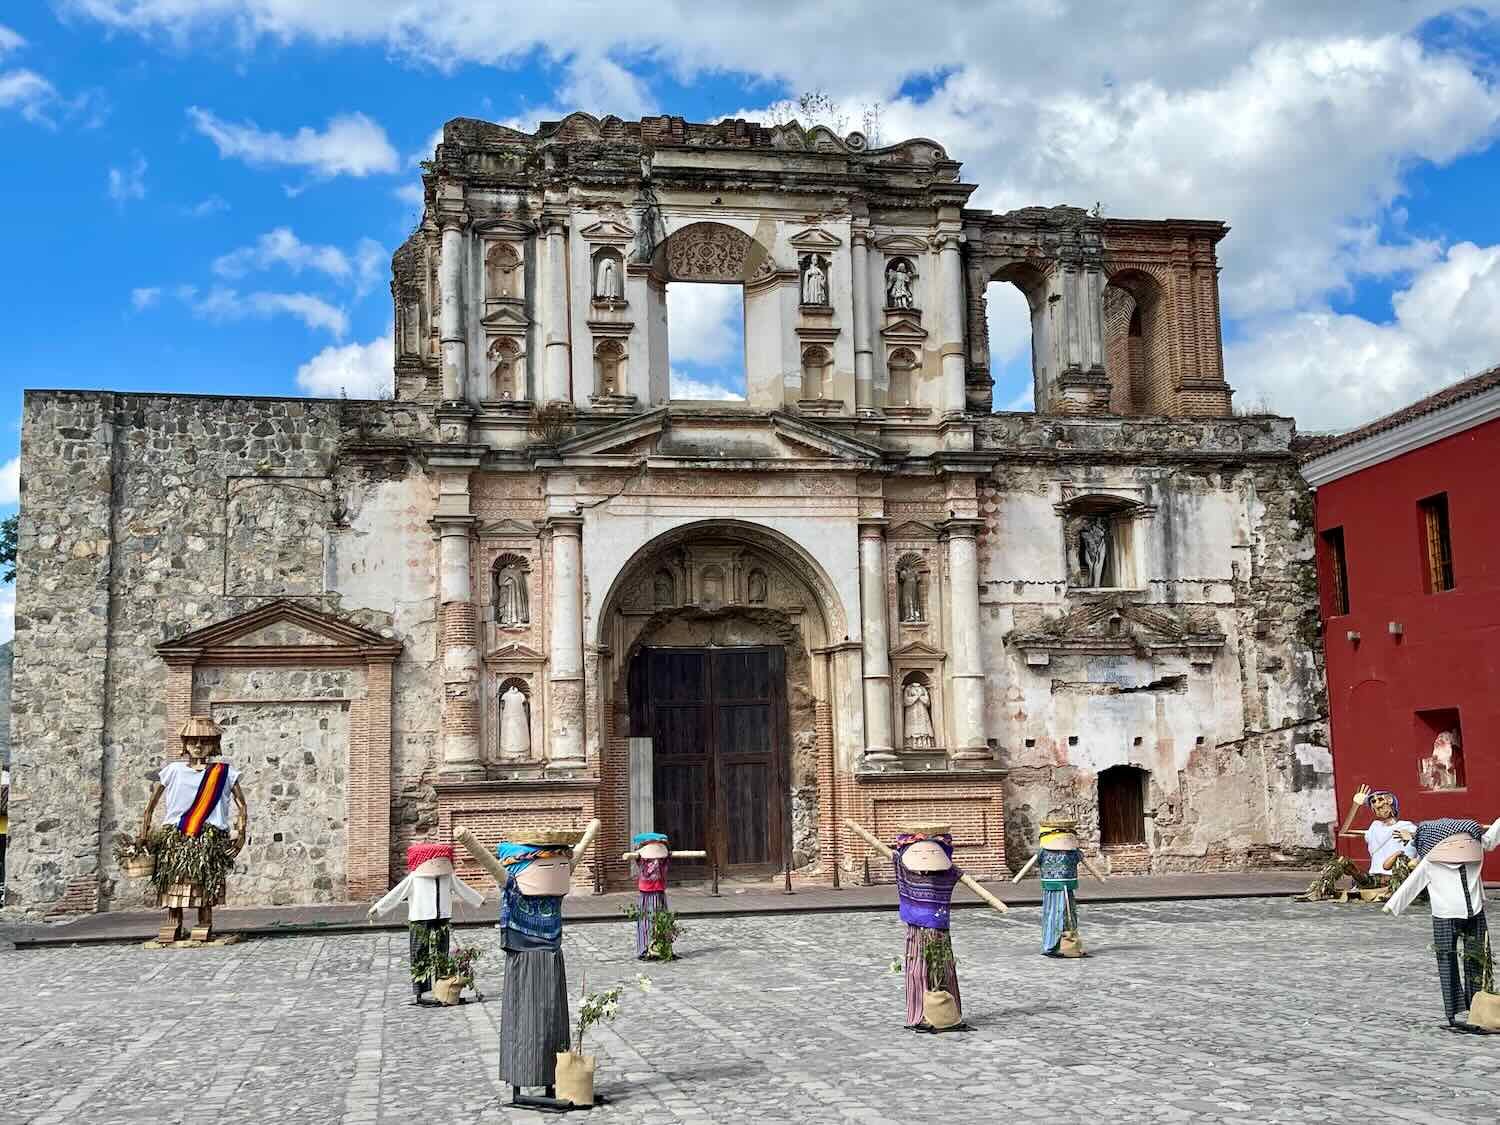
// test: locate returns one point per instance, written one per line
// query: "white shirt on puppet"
(1383, 843)
(1456, 890)
(428, 897)
(180, 781)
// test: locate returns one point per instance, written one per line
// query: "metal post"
(714, 863)
(788, 890)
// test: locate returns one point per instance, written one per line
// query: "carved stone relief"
(708, 252)
(814, 279)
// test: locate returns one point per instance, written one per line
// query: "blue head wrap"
(641, 838)
(1395, 803)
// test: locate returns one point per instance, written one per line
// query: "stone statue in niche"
(1094, 548)
(608, 285)
(916, 717)
(1441, 770)
(757, 587)
(512, 599)
(662, 593)
(912, 590)
(898, 285)
(515, 724)
(814, 282)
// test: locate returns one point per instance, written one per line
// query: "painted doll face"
(546, 877)
(434, 868)
(1382, 807)
(1061, 842)
(1458, 848)
(926, 856)
(199, 750)
(654, 850)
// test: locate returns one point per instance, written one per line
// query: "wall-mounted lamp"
(1394, 629)
(1353, 636)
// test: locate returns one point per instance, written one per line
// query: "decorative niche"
(608, 273)
(1103, 540)
(505, 361)
(1440, 762)
(817, 382)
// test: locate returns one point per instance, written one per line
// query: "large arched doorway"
(716, 641)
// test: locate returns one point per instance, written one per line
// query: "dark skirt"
(533, 1016)
(919, 938)
(651, 902)
(428, 950)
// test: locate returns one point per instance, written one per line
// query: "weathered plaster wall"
(7, 662)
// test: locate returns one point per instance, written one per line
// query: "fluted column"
(565, 642)
(451, 321)
(458, 628)
(955, 312)
(876, 639)
(558, 354)
(864, 355)
(969, 744)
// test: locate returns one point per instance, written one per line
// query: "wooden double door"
(716, 720)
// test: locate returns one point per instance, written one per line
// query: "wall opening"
(706, 341)
(1122, 805)
(1437, 545)
(1440, 762)
(1135, 343)
(1008, 316)
(1336, 570)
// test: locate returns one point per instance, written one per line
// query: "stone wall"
(7, 663)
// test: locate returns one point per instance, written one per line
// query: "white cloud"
(145, 297)
(370, 264)
(9, 40)
(223, 303)
(705, 323)
(213, 205)
(685, 386)
(281, 247)
(355, 370)
(1333, 370)
(28, 93)
(7, 612)
(410, 194)
(351, 145)
(126, 184)
(10, 481)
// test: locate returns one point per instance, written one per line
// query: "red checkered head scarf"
(420, 853)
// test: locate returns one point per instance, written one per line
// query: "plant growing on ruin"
(551, 424)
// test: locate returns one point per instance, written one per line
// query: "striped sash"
(210, 789)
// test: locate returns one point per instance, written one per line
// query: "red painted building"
(1408, 521)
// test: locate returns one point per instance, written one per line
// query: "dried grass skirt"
(191, 871)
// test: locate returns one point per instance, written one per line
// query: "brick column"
(459, 640)
(367, 866)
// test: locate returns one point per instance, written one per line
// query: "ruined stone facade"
(453, 608)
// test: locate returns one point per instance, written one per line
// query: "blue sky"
(204, 195)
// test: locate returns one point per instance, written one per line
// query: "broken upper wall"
(539, 274)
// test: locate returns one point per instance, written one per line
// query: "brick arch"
(1139, 356)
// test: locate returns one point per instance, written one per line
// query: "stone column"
(459, 639)
(954, 313)
(565, 642)
(450, 324)
(864, 356)
(877, 645)
(967, 711)
(559, 364)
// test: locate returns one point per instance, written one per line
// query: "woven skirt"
(918, 938)
(533, 1016)
(1059, 913)
(651, 902)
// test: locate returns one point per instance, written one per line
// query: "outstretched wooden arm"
(1092, 870)
(672, 855)
(966, 880)
(584, 842)
(481, 855)
(156, 791)
(1030, 863)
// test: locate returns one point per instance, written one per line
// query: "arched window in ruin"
(506, 379)
(502, 272)
(903, 368)
(1017, 326)
(609, 368)
(1122, 805)
(817, 372)
(1136, 343)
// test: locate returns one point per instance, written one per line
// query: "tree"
(8, 548)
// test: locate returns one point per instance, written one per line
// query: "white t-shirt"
(1383, 843)
(181, 781)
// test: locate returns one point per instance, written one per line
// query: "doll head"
(429, 860)
(650, 845)
(1450, 840)
(1443, 746)
(925, 848)
(1383, 804)
(201, 737)
(1058, 834)
(541, 863)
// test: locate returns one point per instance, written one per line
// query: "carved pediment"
(815, 239)
(280, 630)
(779, 436)
(508, 528)
(906, 330)
(1115, 626)
(912, 529)
(508, 317)
(514, 653)
(918, 649)
(607, 230)
(505, 228)
(902, 244)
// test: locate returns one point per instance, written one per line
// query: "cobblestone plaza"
(1239, 1010)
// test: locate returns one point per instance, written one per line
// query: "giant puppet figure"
(1452, 852)
(1057, 858)
(192, 846)
(428, 891)
(652, 859)
(925, 877)
(534, 870)
(1388, 841)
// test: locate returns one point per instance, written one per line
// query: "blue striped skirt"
(1059, 913)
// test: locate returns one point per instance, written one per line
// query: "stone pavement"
(1252, 1010)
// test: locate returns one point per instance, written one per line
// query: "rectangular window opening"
(706, 341)
(1437, 546)
(1338, 572)
(1440, 750)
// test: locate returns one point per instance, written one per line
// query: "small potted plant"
(1484, 1009)
(939, 1008)
(457, 974)
(662, 930)
(575, 1070)
(134, 857)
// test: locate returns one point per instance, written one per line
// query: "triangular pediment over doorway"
(276, 631)
(723, 435)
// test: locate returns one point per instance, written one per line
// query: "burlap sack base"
(1485, 1011)
(188, 943)
(1070, 945)
(575, 1078)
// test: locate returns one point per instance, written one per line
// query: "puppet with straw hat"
(1057, 858)
(652, 858)
(925, 877)
(534, 870)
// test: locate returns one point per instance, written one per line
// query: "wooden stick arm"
(1093, 871)
(481, 855)
(1021, 873)
(584, 842)
(868, 838)
(974, 886)
(688, 855)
